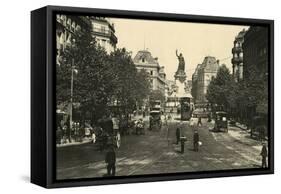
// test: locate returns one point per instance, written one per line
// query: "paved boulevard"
(156, 152)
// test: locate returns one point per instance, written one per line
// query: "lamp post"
(71, 94)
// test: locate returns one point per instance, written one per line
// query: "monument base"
(180, 88)
(180, 76)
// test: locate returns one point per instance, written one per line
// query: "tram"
(186, 108)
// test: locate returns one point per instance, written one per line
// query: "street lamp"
(73, 70)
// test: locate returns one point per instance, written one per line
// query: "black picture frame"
(43, 111)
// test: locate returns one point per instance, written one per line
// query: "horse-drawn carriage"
(155, 122)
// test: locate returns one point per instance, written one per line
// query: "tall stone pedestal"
(180, 78)
(180, 88)
(183, 97)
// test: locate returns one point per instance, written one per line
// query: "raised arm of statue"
(177, 53)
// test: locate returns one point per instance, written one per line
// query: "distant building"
(144, 60)
(201, 79)
(194, 82)
(104, 32)
(237, 59)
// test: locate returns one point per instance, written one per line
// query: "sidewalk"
(74, 143)
(241, 135)
(241, 126)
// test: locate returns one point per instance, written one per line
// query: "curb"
(73, 144)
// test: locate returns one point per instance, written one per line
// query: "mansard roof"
(144, 57)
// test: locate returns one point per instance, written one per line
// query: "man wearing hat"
(195, 140)
(263, 155)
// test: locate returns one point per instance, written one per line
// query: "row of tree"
(240, 99)
(101, 81)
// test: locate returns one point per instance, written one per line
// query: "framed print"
(126, 96)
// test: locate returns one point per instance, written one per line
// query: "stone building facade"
(67, 27)
(104, 32)
(201, 79)
(256, 62)
(237, 58)
(144, 60)
(256, 52)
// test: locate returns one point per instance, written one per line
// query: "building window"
(103, 42)
(103, 29)
(151, 72)
(264, 51)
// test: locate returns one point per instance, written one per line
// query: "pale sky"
(162, 38)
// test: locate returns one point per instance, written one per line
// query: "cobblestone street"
(156, 152)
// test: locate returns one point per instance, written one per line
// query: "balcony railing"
(106, 33)
(236, 50)
(235, 60)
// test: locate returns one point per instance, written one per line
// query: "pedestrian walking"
(165, 120)
(178, 135)
(199, 122)
(182, 145)
(94, 138)
(110, 160)
(196, 141)
(108, 124)
(169, 117)
(209, 117)
(264, 155)
(143, 114)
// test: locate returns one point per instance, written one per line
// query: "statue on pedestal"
(181, 66)
(180, 74)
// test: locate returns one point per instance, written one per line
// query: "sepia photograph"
(149, 97)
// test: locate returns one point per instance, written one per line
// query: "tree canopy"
(102, 80)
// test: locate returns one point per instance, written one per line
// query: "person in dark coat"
(209, 117)
(110, 160)
(108, 125)
(196, 141)
(178, 135)
(182, 140)
(199, 122)
(264, 155)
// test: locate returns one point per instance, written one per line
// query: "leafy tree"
(131, 86)
(218, 89)
(156, 95)
(101, 79)
(91, 85)
(241, 98)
